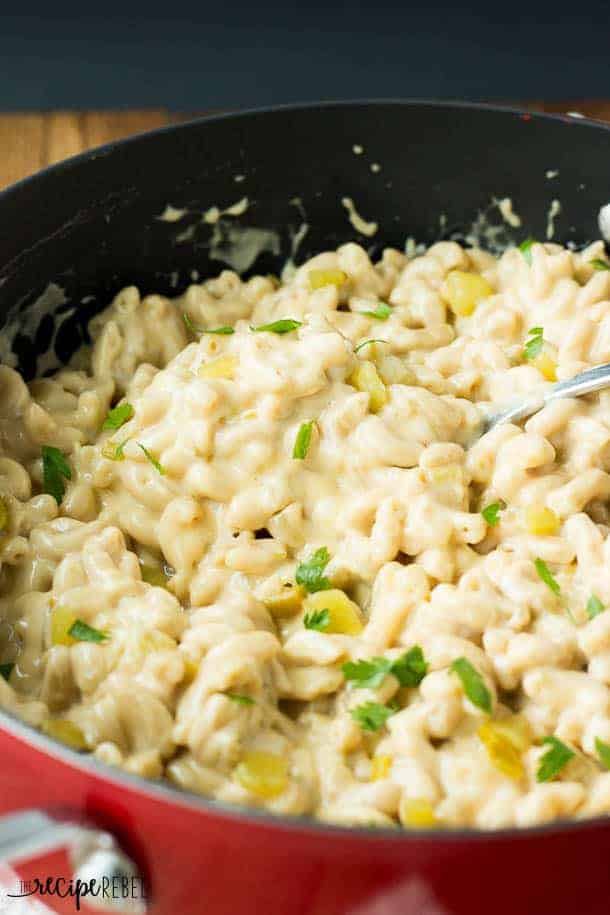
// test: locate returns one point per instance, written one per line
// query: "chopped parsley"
(55, 469)
(310, 574)
(153, 460)
(118, 416)
(302, 441)
(224, 331)
(598, 264)
(372, 715)
(594, 606)
(526, 250)
(6, 671)
(240, 699)
(491, 512)
(366, 343)
(473, 684)
(533, 346)
(283, 326)
(409, 669)
(545, 575)
(82, 632)
(381, 312)
(318, 620)
(114, 452)
(603, 751)
(553, 761)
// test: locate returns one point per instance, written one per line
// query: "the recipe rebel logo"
(116, 893)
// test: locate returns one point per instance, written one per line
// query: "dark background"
(197, 55)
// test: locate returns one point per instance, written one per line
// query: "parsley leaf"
(153, 460)
(594, 606)
(283, 326)
(533, 346)
(381, 312)
(318, 620)
(598, 264)
(54, 469)
(553, 761)
(310, 574)
(603, 751)
(366, 343)
(302, 441)
(82, 632)
(544, 573)
(114, 452)
(367, 673)
(199, 331)
(491, 512)
(118, 416)
(473, 684)
(526, 249)
(190, 326)
(411, 667)
(6, 670)
(372, 715)
(241, 700)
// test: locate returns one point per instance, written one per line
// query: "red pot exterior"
(200, 862)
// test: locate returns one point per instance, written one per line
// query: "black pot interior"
(427, 171)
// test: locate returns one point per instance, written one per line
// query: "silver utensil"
(584, 383)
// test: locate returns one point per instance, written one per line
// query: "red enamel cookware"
(85, 228)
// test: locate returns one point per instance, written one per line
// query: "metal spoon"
(585, 383)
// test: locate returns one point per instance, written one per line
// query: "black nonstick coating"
(90, 225)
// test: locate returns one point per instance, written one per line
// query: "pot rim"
(164, 791)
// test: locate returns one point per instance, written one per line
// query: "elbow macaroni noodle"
(223, 576)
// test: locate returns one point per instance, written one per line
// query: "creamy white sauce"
(171, 214)
(239, 247)
(360, 225)
(508, 214)
(554, 211)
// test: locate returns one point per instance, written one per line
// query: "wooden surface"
(28, 142)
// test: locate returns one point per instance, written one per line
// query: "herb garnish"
(54, 469)
(598, 264)
(409, 669)
(372, 715)
(491, 512)
(240, 699)
(198, 331)
(318, 620)
(473, 684)
(594, 606)
(118, 416)
(153, 460)
(366, 343)
(302, 441)
(310, 574)
(283, 326)
(114, 452)
(82, 632)
(381, 312)
(553, 761)
(603, 751)
(545, 575)
(526, 249)
(533, 346)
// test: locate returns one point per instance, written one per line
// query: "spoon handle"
(585, 383)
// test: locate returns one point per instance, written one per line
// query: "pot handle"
(108, 879)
